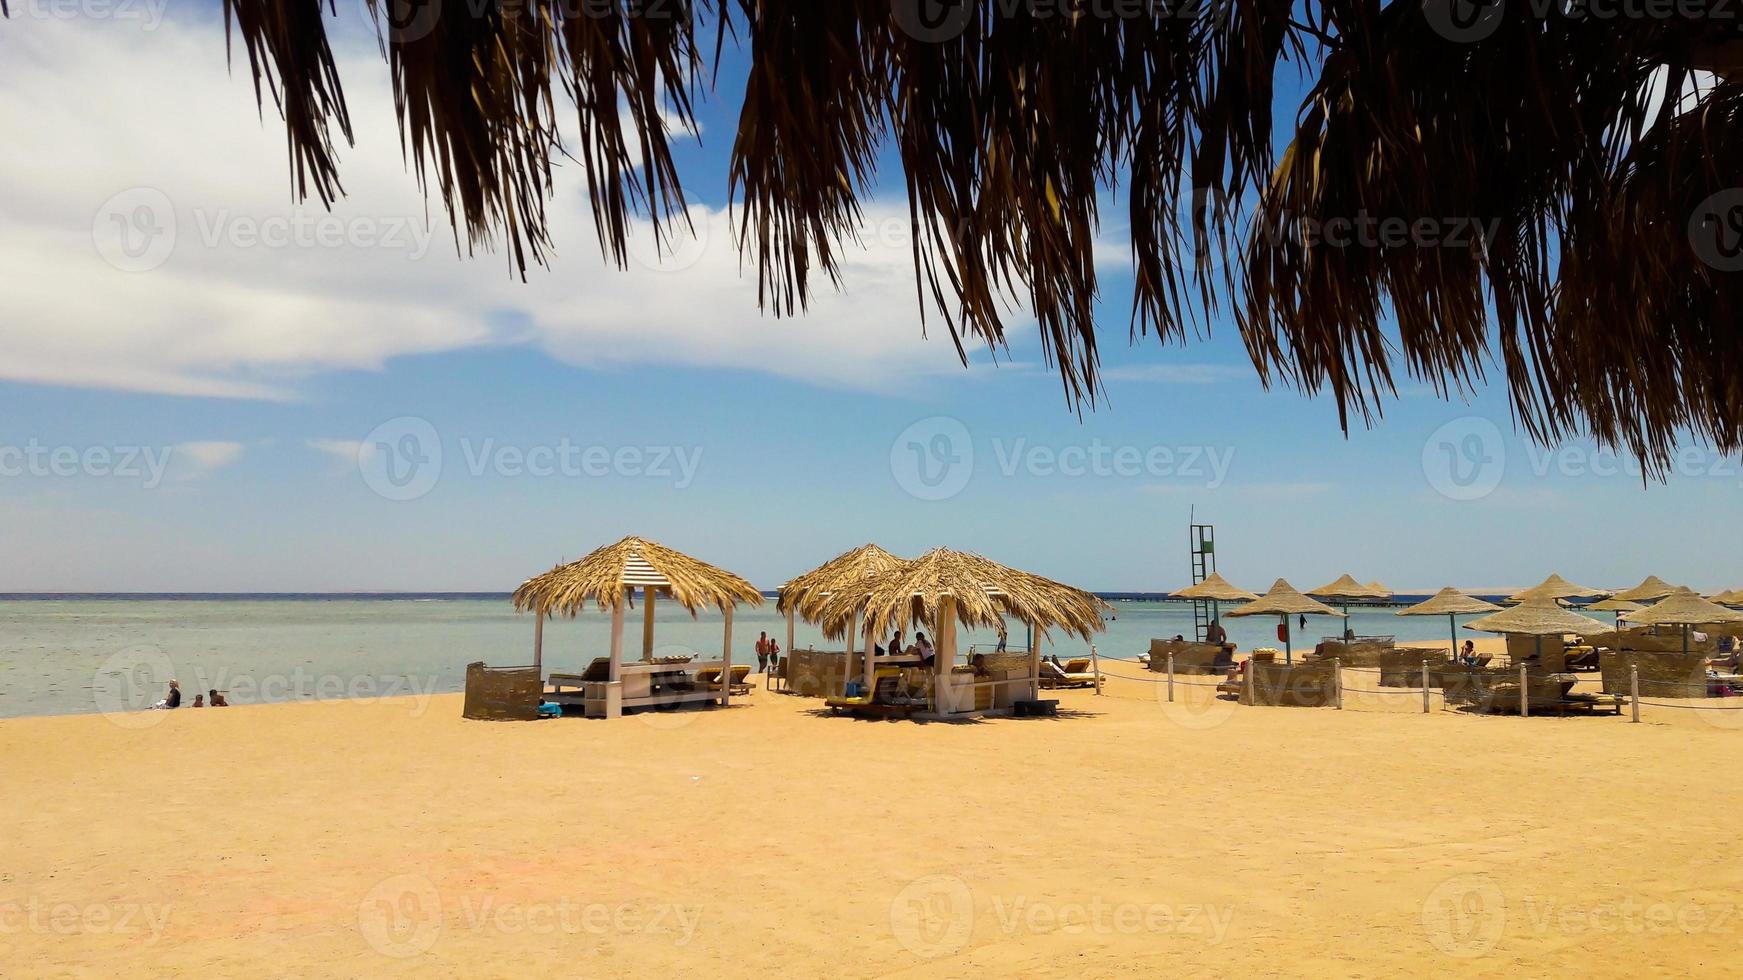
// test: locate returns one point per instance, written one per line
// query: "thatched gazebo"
(1650, 589)
(1687, 609)
(1554, 588)
(1537, 617)
(1451, 603)
(1343, 590)
(608, 578)
(943, 588)
(1284, 601)
(805, 595)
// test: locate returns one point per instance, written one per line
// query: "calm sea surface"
(85, 654)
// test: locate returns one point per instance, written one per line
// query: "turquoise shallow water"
(75, 655)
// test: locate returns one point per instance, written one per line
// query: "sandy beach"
(1129, 835)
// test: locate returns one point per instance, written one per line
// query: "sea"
(72, 654)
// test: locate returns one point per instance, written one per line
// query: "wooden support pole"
(788, 649)
(871, 663)
(539, 645)
(1095, 668)
(943, 649)
(617, 640)
(1170, 677)
(853, 640)
(1634, 689)
(1252, 668)
(648, 593)
(1034, 663)
(726, 661)
(1524, 694)
(1337, 684)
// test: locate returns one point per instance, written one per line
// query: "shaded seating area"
(609, 579)
(1191, 658)
(1544, 694)
(821, 673)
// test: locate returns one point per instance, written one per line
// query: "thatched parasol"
(1451, 603)
(1732, 598)
(1342, 590)
(1215, 590)
(805, 594)
(982, 592)
(1379, 591)
(1285, 601)
(1008, 199)
(1687, 609)
(1651, 589)
(1556, 587)
(607, 576)
(1537, 617)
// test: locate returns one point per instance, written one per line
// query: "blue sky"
(274, 383)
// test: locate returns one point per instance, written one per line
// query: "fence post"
(1634, 689)
(1171, 677)
(1425, 687)
(1095, 668)
(1524, 694)
(1251, 670)
(1337, 684)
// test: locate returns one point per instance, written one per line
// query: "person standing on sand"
(763, 652)
(774, 654)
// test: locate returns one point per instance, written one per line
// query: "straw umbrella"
(805, 594)
(1687, 609)
(1618, 605)
(1216, 590)
(1731, 598)
(1651, 589)
(1537, 617)
(607, 577)
(1556, 587)
(1283, 601)
(1451, 603)
(945, 587)
(1342, 590)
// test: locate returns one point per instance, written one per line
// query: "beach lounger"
(1052, 676)
(598, 670)
(888, 695)
(708, 679)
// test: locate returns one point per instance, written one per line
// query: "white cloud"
(345, 451)
(192, 460)
(248, 295)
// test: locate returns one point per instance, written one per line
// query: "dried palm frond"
(806, 594)
(604, 576)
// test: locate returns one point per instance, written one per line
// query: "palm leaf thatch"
(1731, 598)
(1651, 589)
(1450, 602)
(604, 576)
(1284, 600)
(1346, 587)
(1575, 204)
(1555, 587)
(1214, 588)
(984, 592)
(1538, 616)
(856, 569)
(1685, 607)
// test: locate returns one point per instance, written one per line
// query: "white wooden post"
(871, 661)
(614, 686)
(1425, 687)
(1034, 663)
(1337, 684)
(1095, 668)
(853, 641)
(943, 654)
(1252, 668)
(648, 592)
(539, 645)
(1171, 677)
(1634, 689)
(1524, 694)
(726, 661)
(788, 649)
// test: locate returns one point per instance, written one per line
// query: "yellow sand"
(391, 837)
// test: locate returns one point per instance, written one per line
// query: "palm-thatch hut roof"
(1284, 600)
(1346, 587)
(1556, 587)
(805, 594)
(1732, 598)
(1685, 607)
(1214, 588)
(1651, 589)
(1539, 616)
(1450, 602)
(605, 576)
(983, 591)
(1616, 299)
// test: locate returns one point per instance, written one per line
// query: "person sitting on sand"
(171, 700)
(217, 700)
(199, 700)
